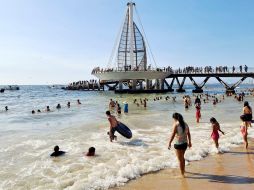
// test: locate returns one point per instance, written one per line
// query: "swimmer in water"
(57, 152)
(215, 133)
(39, 111)
(91, 152)
(78, 101)
(68, 104)
(244, 129)
(113, 124)
(6, 108)
(58, 106)
(33, 112)
(47, 109)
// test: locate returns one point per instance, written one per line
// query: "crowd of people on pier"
(210, 69)
(185, 70)
(83, 85)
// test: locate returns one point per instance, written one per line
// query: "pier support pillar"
(170, 89)
(148, 84)
(230, 91)
(134, 84)
(198, 90)
(180, 89)
(141, 85)
(120, 85)
(157, 84)
(162, 84)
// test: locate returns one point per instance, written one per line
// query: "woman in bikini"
(244, 130)
(215, 134)
(183, 139)
(247, 111)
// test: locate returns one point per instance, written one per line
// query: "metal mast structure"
(131, 53)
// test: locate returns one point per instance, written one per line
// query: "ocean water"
(27, 140)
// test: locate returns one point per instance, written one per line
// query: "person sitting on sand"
(183, 139)
(58, 106)
(78, 101)
(91, 152)
(215, 133)
(113, 124)
(244, 129)
(57, 152)
(247, 111)
(47, 109)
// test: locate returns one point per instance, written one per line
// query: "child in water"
(91, 152)
(215, 133)
(244, 129)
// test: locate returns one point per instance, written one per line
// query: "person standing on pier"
(241, 68)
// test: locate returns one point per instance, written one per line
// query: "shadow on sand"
(231, 179)
(240, 153)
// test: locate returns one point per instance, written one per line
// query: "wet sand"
(232, 170)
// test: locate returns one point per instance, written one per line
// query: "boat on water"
(128, 61)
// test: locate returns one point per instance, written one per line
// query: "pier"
(128, 70)
(178, 78)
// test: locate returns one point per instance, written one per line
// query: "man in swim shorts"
(112, 104)
(113, 124)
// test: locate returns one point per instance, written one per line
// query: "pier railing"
(185, 70)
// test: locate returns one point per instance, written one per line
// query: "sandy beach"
(232, 170)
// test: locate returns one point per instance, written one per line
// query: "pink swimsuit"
(215, 135)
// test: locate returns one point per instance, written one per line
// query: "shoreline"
(232, 170)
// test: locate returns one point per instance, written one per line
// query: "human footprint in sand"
(183, 139)
(215, 133)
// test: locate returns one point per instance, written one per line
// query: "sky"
(60, 41)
